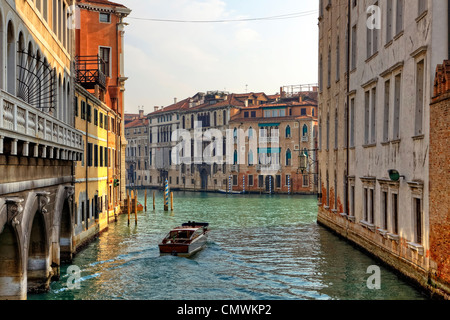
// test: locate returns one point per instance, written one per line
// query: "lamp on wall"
(303, 162)
(394, 175)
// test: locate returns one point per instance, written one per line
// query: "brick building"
(440, 179)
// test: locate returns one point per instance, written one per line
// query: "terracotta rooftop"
(137, 123)
(103, 2)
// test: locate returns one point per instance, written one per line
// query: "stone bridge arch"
(35, 236)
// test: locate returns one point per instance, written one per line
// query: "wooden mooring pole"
(154, 203)
(135, 209)
(171, 201)
(145, 200)
(128, 208)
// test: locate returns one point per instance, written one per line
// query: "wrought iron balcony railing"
(89, 71)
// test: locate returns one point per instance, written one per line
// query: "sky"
(167, 60)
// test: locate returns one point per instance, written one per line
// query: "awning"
(269, 150)
(268, 124)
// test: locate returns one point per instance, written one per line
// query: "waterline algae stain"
(259, 248)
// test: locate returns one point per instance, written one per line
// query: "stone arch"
(62, 226)
(11, 266)
(37, 233)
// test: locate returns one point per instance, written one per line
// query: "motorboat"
(186, 240)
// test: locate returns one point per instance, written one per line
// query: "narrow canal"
(260, 247)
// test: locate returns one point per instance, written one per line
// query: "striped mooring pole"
(270, 184)
(243, 184)
(289, 184)
(229, 184)
(166, 197)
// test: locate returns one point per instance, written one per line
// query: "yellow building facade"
(97, 194)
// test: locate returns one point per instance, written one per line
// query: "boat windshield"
(182, 234)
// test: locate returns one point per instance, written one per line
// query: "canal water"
(260, 247)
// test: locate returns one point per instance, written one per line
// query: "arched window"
(288, 131)
(288, 157)
(305, 130)
(235, 157)
(250, 158)
(11, 59)
(250, 133)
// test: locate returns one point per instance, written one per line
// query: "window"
(246, 114)
(96, 117)
(105, 56)
(354, 48)
(372, 39)
(253, 114)
(384, 206)
(105, 17)
(260, 181)
(278, 181)
(366, 116)
(235, 180)
(96, 156)
(328, 131)
(303, 112)
(387, 98)
(373, 117)
(389, 21)
(89, 113)
(395, 213)
(250, 158)
(417, 205)
(352, 200)
(89, 155)
(321, 73)
(288, 131)
(83, 110)
(250, 180)
(101, 157)
(288, 157)
(305, 181)
(397, 105)
(420, 81)
(75, 105)
(336, 129)
(329, 67)
(338, 59)
(352, 122)
(399, 17)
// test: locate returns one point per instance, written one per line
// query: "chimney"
(156, 108)
(174, 100)
(141, 113)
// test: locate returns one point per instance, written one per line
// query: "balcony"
(235, 168)
(273, 139)
(38, 134)
(89, 72)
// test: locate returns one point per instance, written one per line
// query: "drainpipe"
(348, 106)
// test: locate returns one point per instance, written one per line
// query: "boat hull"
(181, 249)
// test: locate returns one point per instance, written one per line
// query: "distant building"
(277, 135)
(376, 84)
(150, 153)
